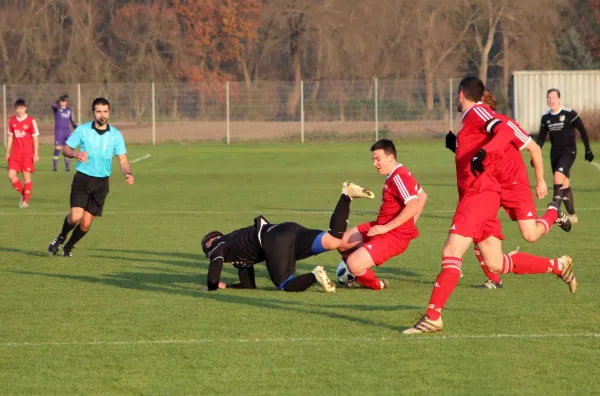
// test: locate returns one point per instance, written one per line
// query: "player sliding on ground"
(279, 246)
(516, 197)
(375, 242)
(476, 216)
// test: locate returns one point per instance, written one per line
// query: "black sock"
(568, 200)
(557, 197)
(67, 227)
(300, 283)
(339, 219)
(76, 236)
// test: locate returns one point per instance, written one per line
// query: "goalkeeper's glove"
(589, 156)
(451, 142)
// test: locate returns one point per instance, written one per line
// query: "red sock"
(490, 275)
(18, 186)
(548, 219)
(525, 263)
(444, 286)
(27, 192)
(369, 280)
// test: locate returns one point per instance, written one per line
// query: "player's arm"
(126, 168)
(214, 269)
(577, 123)
(36, 142)
(73, 123)
(247, 280)
(542, 135)
(410, 210)
(503, 136)
(74, 141)
(422, 201)
(55, 106)
(538, 167)
(9, 143)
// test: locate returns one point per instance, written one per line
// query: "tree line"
(105, 41)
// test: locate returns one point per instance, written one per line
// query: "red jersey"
(399, 188)
(509, 168)
(22, 132)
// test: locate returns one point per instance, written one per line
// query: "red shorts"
(518, 202)
(476, 216)
(385, 246)
(21, 163)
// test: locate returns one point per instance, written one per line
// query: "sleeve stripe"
(485, 116)
(576, 117)
(403, 190)
(525, 143)
(401, 187)
(35, 128)
(518, 132)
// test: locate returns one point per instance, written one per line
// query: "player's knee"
(355, 264)
(85, 225)
(496, 269)
(530, 236)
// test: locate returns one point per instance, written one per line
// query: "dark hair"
(386, 145)
(64, 98)
(100, 101)
(472, 88)
(208, 237)
(553, 90)
(489, 99)
(20, 102)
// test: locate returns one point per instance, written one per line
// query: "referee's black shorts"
(89, 193)
(562, 160)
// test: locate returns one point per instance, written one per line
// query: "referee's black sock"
(67, 227)
(300, 283)
(339, 219)
(76, 236)
(557, 197)
(568, 200)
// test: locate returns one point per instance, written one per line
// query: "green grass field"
(126, 315)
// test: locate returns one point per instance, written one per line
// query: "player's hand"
(541, 190)
(377, 230)
(589, 156)
(7, 157)
(451, 142)
(129, 178)
(477, 167)
(81, 156)
(36, 158)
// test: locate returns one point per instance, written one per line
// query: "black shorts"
(562, 160)
(89, 193)
(283, 244)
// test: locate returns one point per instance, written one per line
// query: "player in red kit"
(22, 150)
(475, 219)
(516, 198)
(402, 201)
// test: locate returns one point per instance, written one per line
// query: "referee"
(561, 123)
(98, 142)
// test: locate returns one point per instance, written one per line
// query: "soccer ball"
(343, 274)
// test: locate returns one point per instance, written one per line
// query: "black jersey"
(240, 247)
(561, 128)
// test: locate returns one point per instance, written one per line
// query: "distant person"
(561, 123)
(63, 121)
(22, 150)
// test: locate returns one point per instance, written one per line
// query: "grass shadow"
(137, 281)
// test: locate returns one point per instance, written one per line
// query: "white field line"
(305, 340)
(140, 159)
(218, 212)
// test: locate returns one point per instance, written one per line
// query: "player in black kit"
(561, 123)
(279, 246)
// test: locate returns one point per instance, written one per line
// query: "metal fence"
(234, 111)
